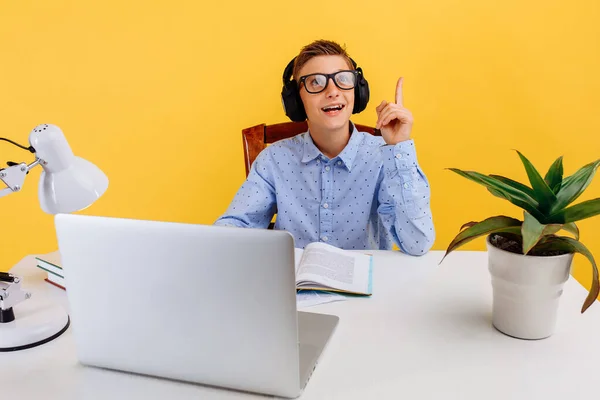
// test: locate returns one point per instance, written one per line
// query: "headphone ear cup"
(292, 103)
(361, 93)
(290, 95)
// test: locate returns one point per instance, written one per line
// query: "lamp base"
(35, 323)
(7, 315)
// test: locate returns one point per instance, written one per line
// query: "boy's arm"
(254, 205)
(404, 196)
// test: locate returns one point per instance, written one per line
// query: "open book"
(324, 267)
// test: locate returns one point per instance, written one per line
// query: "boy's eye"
(316, 81)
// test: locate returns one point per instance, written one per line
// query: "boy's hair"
(319, 48)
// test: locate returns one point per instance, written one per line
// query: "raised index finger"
(399, 97)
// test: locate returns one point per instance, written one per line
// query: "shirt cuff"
(398, 157)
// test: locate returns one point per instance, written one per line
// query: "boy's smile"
(333, 109)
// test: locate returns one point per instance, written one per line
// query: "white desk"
(424, 334)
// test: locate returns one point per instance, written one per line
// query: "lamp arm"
(14, 176)
(10, 286)
(11, 292)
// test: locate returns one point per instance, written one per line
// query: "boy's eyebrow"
(324, 73)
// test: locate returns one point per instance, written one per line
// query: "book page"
(335, 268)
(52, 258)
(309, 298)
(297, 257)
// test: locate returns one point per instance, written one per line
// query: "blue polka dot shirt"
(371, 196)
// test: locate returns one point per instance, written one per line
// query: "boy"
(333, 183)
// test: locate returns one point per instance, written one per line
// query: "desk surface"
(424, 334)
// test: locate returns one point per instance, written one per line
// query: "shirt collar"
(347, 155)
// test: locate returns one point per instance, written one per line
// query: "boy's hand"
(394, 121)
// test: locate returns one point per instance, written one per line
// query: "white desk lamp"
(67, 183)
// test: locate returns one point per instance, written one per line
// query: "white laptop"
(198, 303)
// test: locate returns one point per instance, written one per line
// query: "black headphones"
(292, 103)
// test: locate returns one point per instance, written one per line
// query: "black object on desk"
(6, 277)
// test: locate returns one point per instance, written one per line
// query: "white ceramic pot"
(527, 291)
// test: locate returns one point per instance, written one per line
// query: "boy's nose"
(331, 89)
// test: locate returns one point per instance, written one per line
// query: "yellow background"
(156, 93)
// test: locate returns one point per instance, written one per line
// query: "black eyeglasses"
(316, 83)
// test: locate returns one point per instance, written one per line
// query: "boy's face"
(322, 109)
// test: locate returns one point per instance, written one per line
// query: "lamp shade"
(68, 183)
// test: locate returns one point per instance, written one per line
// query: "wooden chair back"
(257, 137)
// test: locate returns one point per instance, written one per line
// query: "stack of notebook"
(51, 264)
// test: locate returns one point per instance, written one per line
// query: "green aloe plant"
(547, 212)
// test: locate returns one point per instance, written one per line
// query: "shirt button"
(406, 185)
(325, 205)
(324, 238)
(399, 155)
(327, 168)
(339, 163)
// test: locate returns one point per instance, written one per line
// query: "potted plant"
(530, 259)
